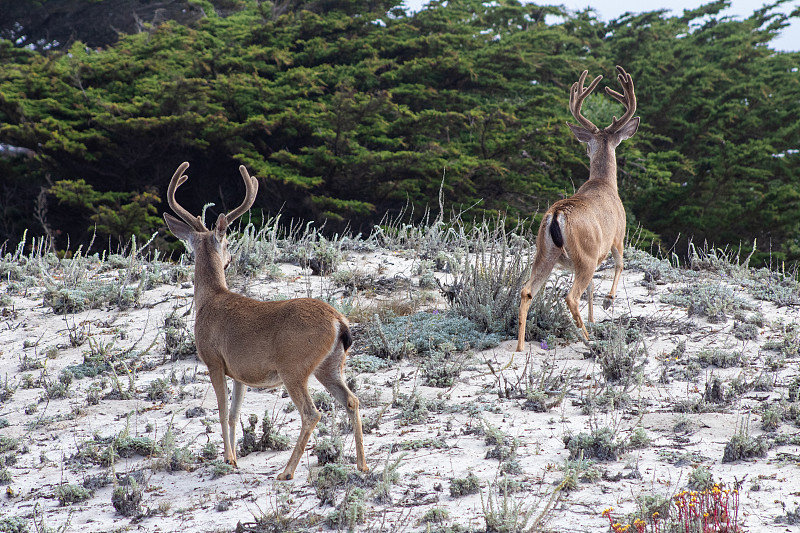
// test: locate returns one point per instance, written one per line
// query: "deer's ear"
(221, 227)
(581, 133)
(179, 228)
(628, 129)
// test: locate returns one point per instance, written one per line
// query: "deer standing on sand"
(578, 232)
(261, 344)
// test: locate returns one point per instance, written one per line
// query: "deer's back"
(273, 335)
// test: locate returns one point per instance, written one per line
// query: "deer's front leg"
(237, 395)
(219, 382)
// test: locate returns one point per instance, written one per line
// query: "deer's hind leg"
(616, 252)
(309, 416)
(583, 279)
(543, 265)
(331, 374)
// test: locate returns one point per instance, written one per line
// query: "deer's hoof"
(608, 301)
(285, 476)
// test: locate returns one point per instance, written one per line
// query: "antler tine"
(177, 180)
(576, 97)
(251, 186)
(628, 99)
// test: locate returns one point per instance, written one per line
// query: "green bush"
(464, 486)
(602, 444)
(69, 494)
(424, 333)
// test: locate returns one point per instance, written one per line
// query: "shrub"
(617, 347)
(464, 486)
(601, 444)
(743, 446)
(437, 515)
(8, 444)
(424, 333)
(351, 511)
(13, 524)
(220, 469)
(269, 440)
(719, 358)
(127, 500)
(714, 301)
(330, 477)
(328, 450)
(178, 340)
(701, 478)
(69, 494)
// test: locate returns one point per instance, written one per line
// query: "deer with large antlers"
(578, 232)
(261, 344)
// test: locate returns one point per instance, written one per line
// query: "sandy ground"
(449, 444)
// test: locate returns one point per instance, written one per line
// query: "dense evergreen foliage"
(347, 109)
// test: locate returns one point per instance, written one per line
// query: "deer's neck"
(209, 275)
(603, 166)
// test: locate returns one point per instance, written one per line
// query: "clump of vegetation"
(463, 486)
(542, 389)
(106, 451)
(127, 499)
(719, 358)
(714, 391)
(639, 439)
(328, 479)
(178, 339)
(442, 368)
(486, 286)
(504, 513)
(13, 524)
(328, 450)
(436, 515)
(771, 419)
(745, 331)
(8, 444)
(743, 446)
(715, 301)
(618, 348)
(425, 333)
(602, 444)
(270, 439)
(351, 511)
(220, 468)
(773, 286)
(656, 270)
(700, 478)
(159, 390)
(254, 249)
(789, 344)
(68, 494)
(504, 447)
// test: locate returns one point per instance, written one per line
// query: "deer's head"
(619, 130)
(212, 244)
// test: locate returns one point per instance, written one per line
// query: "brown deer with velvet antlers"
(261, 344)
(578, 232)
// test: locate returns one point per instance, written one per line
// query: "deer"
(578, 232)
(261, 343)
